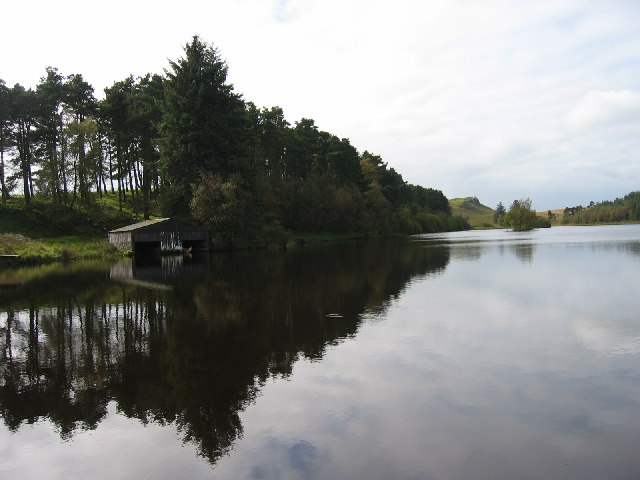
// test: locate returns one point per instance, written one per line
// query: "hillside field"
(44, 232)
(478, 215)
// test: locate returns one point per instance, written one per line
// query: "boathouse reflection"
(161, 271)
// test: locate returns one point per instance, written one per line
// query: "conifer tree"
(204, 125)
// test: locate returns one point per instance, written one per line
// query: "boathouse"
(160, 234)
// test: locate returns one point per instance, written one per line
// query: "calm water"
(475, 355)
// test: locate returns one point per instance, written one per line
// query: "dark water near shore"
(471, 355)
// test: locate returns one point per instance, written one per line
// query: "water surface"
(484, 355)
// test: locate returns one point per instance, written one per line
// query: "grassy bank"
(43, 232)
(45, 250)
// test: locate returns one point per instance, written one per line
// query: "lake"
(467, 355)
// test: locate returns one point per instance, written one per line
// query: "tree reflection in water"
(195, 353)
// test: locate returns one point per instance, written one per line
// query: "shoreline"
(18, 250)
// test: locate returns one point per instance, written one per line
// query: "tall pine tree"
(204, 126)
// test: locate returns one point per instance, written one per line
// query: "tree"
(160, 137)
(82, 137)
(369, 164)
(130, 113)
(204, 125)
(431, 199)
(5, 99)
(342, 162)
(521, 217)
(52, 94)
(225, 206)
(23, 113)
(303, 149)
(114, 113)
(271, 130)
(144, 116)
(633, 201)
(499, 213)
(82, 107)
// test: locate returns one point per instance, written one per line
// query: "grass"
(45, 232)
(477, 214)
(55, 249)
(28, 249)
(44, 219)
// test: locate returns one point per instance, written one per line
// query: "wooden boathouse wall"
(164, 234)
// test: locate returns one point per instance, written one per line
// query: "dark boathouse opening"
(160, 235)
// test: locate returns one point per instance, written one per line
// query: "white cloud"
(606, 108)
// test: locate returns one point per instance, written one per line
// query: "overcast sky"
(494, 99)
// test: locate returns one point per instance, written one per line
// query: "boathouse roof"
(143, 224)
(156, 222)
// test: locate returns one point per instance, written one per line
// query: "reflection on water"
(194, 355)
(611, 339)
(162, 271)
(485, 355)
(525, 251)
(473, 251)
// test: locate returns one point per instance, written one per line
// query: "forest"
(184, 144)
(622, 209)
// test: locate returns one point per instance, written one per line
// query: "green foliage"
(542, 222)
(500, 212)
(226, 207)
(204, 125)
(626, 209)
(186, 142)
(521, 217)
(130, 114)
(457, 223)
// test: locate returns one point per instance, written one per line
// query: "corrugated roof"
(138, 225)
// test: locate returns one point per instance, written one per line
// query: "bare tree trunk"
(3, 185)
(62, 165)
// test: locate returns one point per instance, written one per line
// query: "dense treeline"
(187, 142)
(618, 210)
(60, 143)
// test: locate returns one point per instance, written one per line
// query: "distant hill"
(479, 215)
